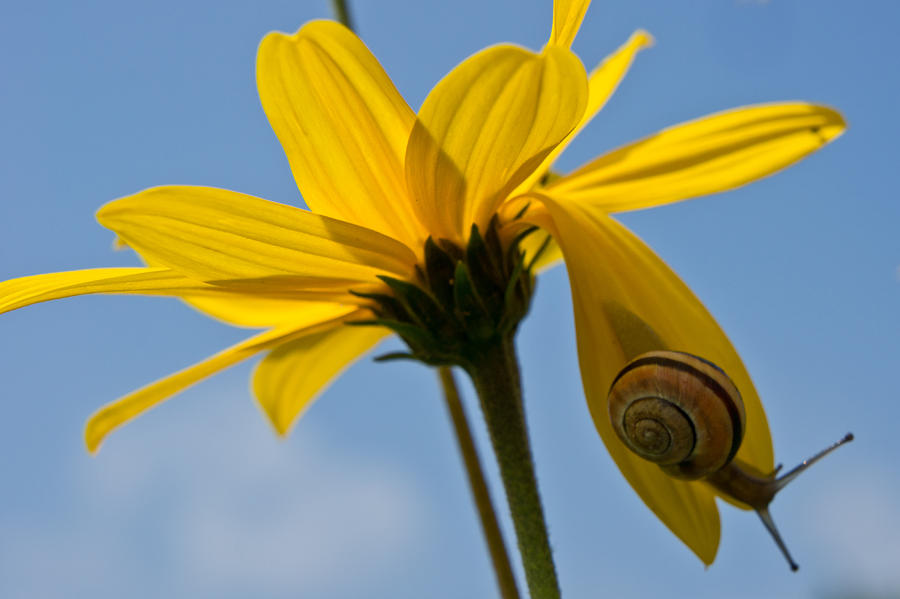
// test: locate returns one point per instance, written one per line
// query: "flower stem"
(342, 14)
(494, 538)
(495, 374)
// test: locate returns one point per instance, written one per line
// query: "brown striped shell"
(679, 411)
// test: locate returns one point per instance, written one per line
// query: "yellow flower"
(380, 180)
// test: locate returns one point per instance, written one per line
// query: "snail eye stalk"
(782, 481)
(758, 492)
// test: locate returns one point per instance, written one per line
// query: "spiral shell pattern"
(679, 411)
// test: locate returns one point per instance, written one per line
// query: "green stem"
(495, 374)
(494, 538)
(342, 14)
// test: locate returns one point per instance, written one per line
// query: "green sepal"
(469, 306)
(485, 273)
(548, 178)
(479, 257)
(495, 247)
(454, 251)
(513, 301)
(367, 322)
(423, 308)
(428, 360)
(421, 278)
(440, 268)
(388, 305)
(513, 250)
(393, 356)
(543, 247)
(522, 211)
(415, 336)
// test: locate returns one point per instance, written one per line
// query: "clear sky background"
(367, 498)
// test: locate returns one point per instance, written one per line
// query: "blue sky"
(367, 497)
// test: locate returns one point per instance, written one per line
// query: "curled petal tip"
(280, 426)
(282, 429)
(92, 440)
(96, 429)
(833, 124)
(105, 210)
(644, 38)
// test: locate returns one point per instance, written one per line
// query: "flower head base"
(462, 301)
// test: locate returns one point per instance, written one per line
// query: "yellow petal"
(567, 17)
(224, 237)
(627, 301)
(712, 154)
(257, 306)
(343, 126)
(484, 128)
(24, 291)
(245, 310)
(288, 379)
(605, 78)
(602, 82)
(121, 411)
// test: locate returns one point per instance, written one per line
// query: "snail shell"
(685, 414)
(679, 411)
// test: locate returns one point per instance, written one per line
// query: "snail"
(684, 413)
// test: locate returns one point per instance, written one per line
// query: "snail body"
(685, 414)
